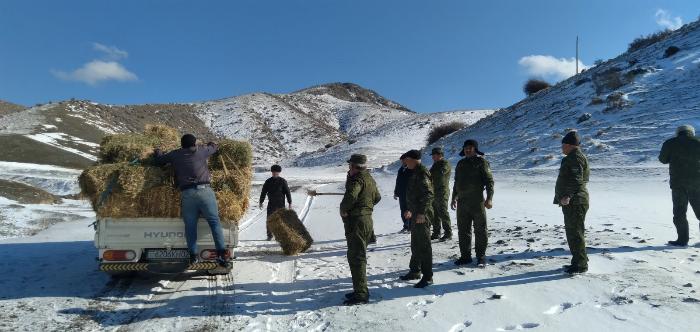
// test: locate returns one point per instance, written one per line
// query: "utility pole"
(577, 55)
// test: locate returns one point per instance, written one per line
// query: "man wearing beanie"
(571, 194)
(197, 198)
(472, 176)
(361, 195)
(276, 190)
(683, 154)
(419, 209)
(440, 173)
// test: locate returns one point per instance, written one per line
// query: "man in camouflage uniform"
(361, 195)
(571, 194)
(419, 199)
(683, 153)
(472, 176)
(440, 173)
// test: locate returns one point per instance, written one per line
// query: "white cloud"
(664, 20)
(111, 52)
(97, 71)
(547, 66)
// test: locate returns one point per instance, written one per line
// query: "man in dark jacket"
(419, 209)
(683, 154)
(400, 192)
(197, 198)
(361, 195)
(472, 176)
(440, 173)
(276, 190)
(572, 195)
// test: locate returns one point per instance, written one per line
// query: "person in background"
(440, 173)
(400, 192)
(683, 154)
(276, 190)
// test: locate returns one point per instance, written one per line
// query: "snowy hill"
(624, 109)
(311, 126)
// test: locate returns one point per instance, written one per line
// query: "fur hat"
(685, 129)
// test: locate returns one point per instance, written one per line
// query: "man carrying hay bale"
(193, 179)
(289, 231)
(361, 195)
(276, 189)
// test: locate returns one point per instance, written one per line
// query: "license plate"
(167, 254)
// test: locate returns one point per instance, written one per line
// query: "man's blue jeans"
(196, 202)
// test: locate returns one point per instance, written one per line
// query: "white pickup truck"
(157, 245)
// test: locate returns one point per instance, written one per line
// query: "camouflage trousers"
(358, 231)
(468, 216)
(421, 248)
(681, 198)
(574, 224)
(441, 217)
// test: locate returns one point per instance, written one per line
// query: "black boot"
(481, 262)
(194, 259)
(351, 295)
(221, 259)
(464, 261)
(677, 243)
(355, 301)
(435, 236)
(410, 276)
(424, 282)
(576, 269)
(446, 237)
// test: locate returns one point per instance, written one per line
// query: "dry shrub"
(289, 231)
(443, 130)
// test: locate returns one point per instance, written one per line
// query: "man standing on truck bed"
(276, 189)
(192, 177)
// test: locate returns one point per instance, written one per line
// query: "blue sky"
(428, 55)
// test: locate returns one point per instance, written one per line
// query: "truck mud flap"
(174, 267)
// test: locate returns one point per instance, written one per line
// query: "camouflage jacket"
(472, 176)
(419, 192)
(361, 195)
(573, 176)
(683, 155)
(440, 175)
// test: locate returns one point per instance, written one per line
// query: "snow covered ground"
(635, 282)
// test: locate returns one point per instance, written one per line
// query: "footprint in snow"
(461, 327)
(522, 326)
(420, 314)
(558, 309)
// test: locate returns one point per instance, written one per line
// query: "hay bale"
(144, 190)
(289, 231)
(129, 147)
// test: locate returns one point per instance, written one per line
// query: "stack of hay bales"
(127, 184)
(289, 231)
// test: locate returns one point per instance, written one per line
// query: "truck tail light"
(210, 254)
(119, 255)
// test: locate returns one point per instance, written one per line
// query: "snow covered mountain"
(624, 109)
(304, 124)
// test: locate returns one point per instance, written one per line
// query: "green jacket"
(572, 179)
(683, 153)
(440, 175)
(472, 175)
(361, 195)
(419, 192)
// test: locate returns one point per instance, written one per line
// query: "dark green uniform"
(361, 195)
(419, 199)
(573, 176)
(440, 175)
(472, 176)
(683, 155)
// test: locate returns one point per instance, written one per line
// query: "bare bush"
(532, 86)
(443, 130)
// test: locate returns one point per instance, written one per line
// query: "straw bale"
(289, 231)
